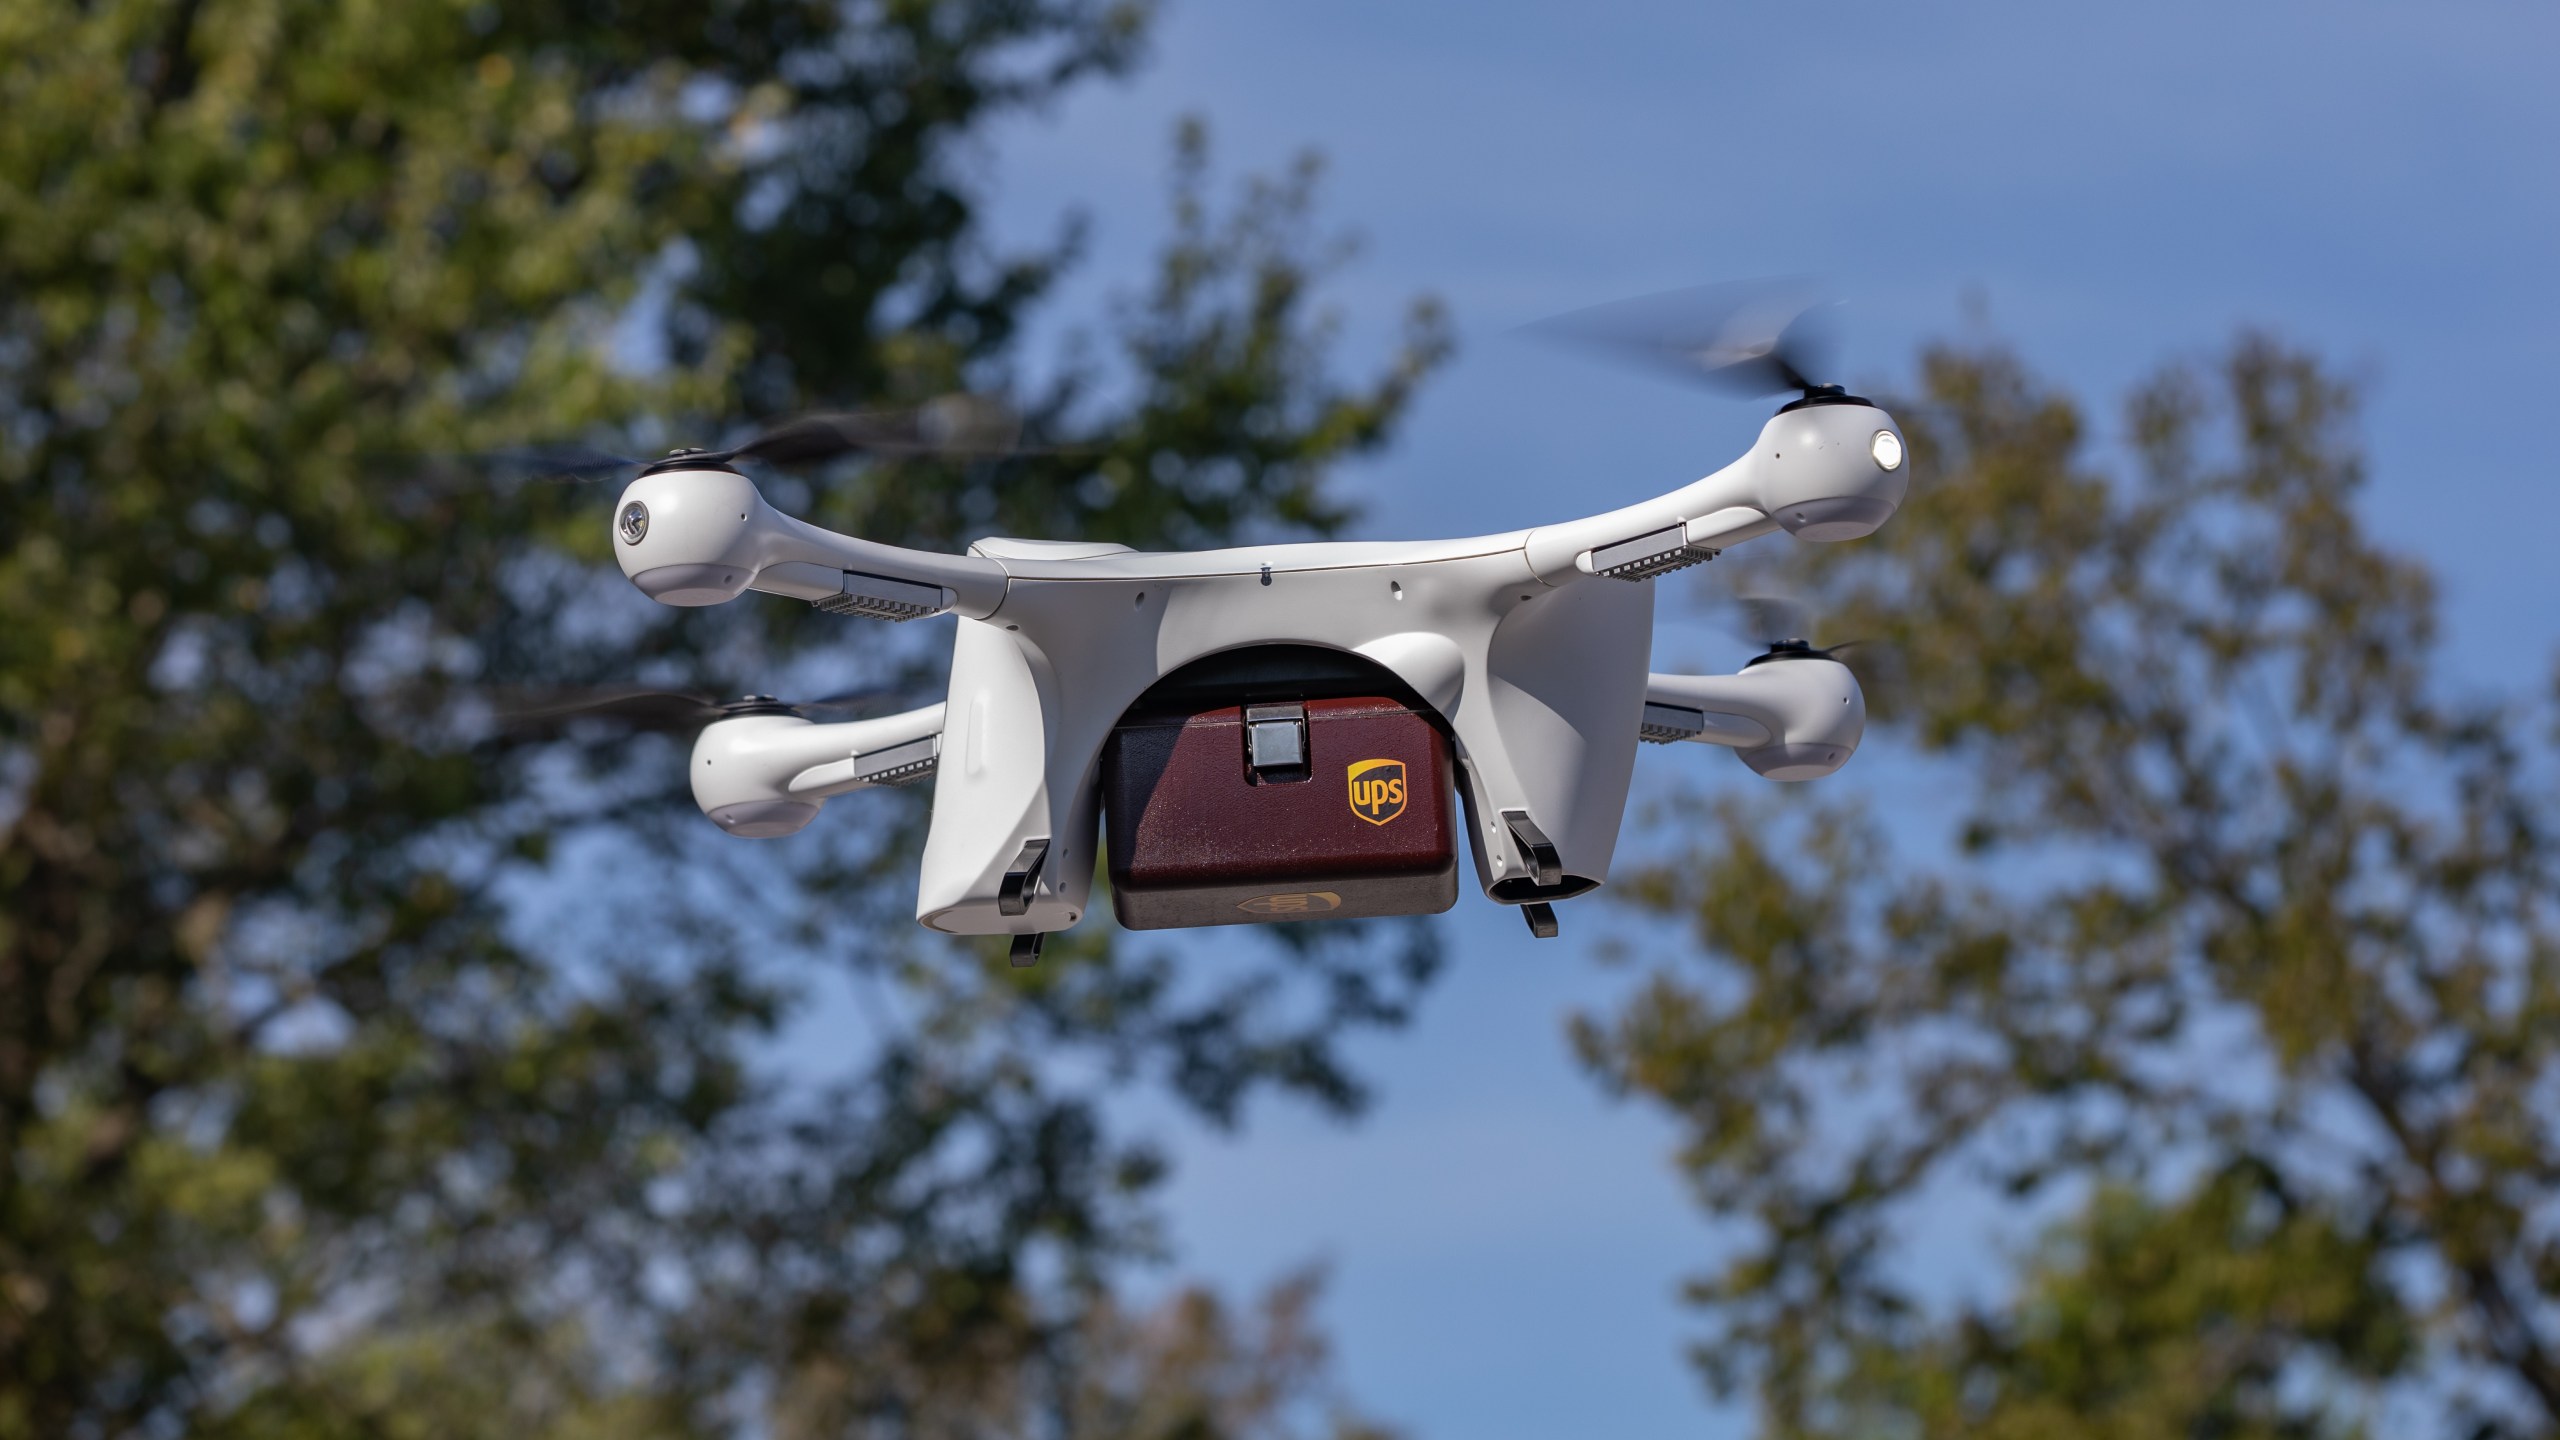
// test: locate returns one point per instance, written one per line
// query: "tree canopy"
(2233, 974)
(365, 1067)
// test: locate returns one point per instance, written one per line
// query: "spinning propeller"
(951, 426)
(1752, 337)
(1785, 625)
(666, 711)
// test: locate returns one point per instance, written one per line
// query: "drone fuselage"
(1532, 646)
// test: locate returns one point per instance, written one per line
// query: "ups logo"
(1377, 790)
(1311, 902)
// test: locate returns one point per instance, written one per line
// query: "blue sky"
(2120, 184)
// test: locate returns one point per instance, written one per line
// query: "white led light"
(1887, 448)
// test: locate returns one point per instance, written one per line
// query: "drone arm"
(1645, 540)
(1816, 472)
(699, 537)
(765, 775)
(1791, 719)
(890, 750)
(1672, 714)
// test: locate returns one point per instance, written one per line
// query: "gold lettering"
(1377, 790)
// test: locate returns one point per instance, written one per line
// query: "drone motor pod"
(1789, 717)
(1830, 468)
(701, 535)
(762, 776)
(1833, 468)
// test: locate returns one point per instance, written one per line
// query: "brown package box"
(1198, 836)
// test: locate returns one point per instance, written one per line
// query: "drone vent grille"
(1664, 724)
(882, 598)
(1661, 565)
(1646, 556)
(900, 764)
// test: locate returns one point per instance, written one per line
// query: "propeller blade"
(558, 464)
(969, 425)
(673, 712)
(849, 701)
(959, 426)
(667, 711)
(1772, 620)
(811, 437)
(1751, 337)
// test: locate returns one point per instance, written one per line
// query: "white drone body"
(1531, 648)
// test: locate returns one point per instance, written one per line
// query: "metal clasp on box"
(1275, 741)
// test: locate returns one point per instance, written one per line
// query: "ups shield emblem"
(1311, 902)
(1377, 790)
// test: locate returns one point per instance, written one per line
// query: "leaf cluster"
(364, 1069)
(2243, 960)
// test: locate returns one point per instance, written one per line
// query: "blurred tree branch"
(356, 1072)
(2246, 956)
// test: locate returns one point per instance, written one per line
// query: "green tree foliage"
(2241, 972)
(2144, 1318)
(1192, 1367)
(362, 1070)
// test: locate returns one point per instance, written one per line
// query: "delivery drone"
(1271, 732)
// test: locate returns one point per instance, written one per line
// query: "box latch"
(1275, 741)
